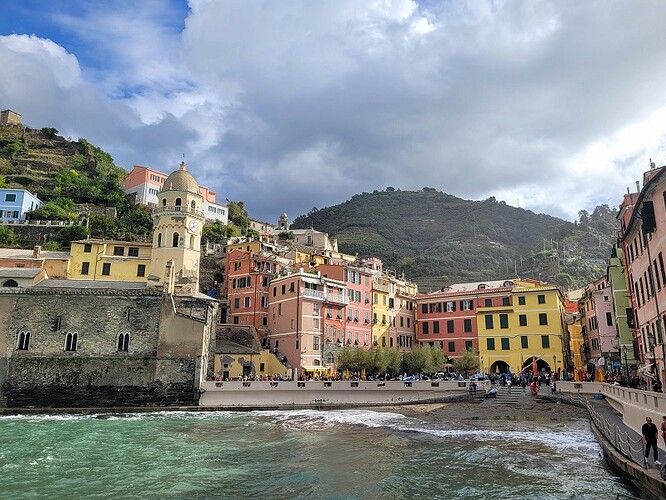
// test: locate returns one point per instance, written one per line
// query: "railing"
(338, 299)
(382, 288)
(620, 439)
(178, 208)
(317, 294)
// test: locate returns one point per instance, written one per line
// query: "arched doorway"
(541, 365)
(499, 367)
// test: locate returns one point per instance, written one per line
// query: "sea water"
(299, 454)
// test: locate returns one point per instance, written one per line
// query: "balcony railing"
(178, 208)
(315, 294)
(377, 286)
(337, 298)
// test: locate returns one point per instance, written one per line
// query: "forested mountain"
(437, 239)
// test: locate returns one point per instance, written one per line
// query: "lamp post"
(626, 364)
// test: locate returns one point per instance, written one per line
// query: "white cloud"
(555, 104)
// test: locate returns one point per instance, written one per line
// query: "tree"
(53, 210)
(419, 360)
(71, 233)
(214, 233)
(466, 363)
(103, 227)
(136, 222)
(7, 236)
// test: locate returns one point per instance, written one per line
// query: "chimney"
(638, 186)
(36, 252)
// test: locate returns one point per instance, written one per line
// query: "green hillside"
(436, 239)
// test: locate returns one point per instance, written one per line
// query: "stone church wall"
(96, 374)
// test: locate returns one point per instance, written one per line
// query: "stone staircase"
(508, 396)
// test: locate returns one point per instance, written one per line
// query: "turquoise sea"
(299, 454)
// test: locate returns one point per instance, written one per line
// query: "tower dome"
(181, 180)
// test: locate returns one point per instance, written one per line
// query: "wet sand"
(526, 408)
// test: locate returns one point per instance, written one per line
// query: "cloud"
(289, 105)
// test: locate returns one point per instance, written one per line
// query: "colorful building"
(598, 327)
(642, 235)
(622, 311)
(109, 260)
(15, 204)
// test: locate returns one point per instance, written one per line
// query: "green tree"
(238, 216)
(7, 235)
(52, 210)
(49, 132)
(214, 233)
(419, 360)
(71, 233)
(466, 363)
(136, 222)
(103, 227)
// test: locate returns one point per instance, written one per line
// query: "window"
(159, 240)
(87, 248)
(505, 343)
(466, 305)
(490, 344)
(133, 251)
(106, 269)
(118, 250)
(71, 341)
(523, 342)
(15, 214)
(506, 301)
(609, 319)
(450, 306)
(504, 320)
(315, 343)
(23, 340)
(521, 300)
(236, 303)
(543, 319)
(489, 302)
(452, 346)
(284, 289)
(522, 319)
(85, 267)
(424, 328)
(541, 299)
(424, 308)
(123, 341)
(545, 341)
(489, 321)
(10, 197)
(247, 302)
(174, 240)
(449, 326)
(468, 345)
(435, 327)
(141, 270)
(235, 320)
(467, 325)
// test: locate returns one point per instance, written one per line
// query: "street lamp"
(626, 364)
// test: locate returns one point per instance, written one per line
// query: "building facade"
(15, 204)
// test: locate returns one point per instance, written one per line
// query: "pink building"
(299, 307)
(144, 183)
(642, 219)
(598, 321)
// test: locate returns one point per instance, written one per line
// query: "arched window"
(193, 205)
(159, 239)
(164, 202)
(123, 341)
(23, 340)
(71, 341)
(178, 203)
(175, 239)
(330, 359)
(316, 362)
(192, 242)
(10, 283)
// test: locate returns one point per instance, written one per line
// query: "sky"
(553, 106)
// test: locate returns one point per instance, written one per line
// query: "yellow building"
(235, 360)
(109, 260)
(522, 328)
(381, 314)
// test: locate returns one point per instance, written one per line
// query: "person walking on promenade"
(663, 429)
(650, 433)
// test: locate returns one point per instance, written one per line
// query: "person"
(663, 429)
(650, 433)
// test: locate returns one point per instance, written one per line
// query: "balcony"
(314, 294)
(178, 209)
(337, 298)
(382, 288)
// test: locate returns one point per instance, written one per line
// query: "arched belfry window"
(178, 203)
(159, 239)
(71, 341)
(175, 239)
(193, 205)
(23, 340)
(123, 341)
